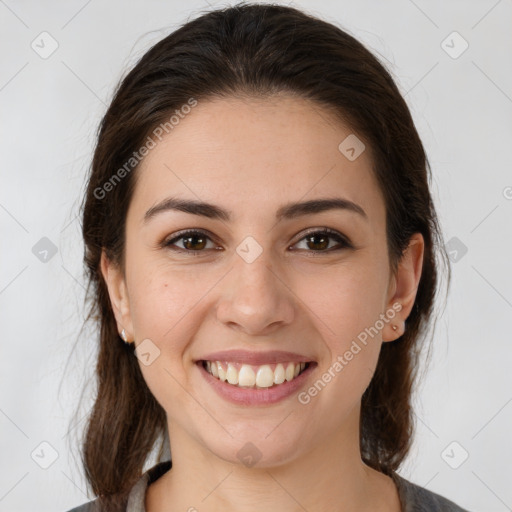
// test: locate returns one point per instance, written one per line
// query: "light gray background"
(50, 110)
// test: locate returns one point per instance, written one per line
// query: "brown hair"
(256, 50)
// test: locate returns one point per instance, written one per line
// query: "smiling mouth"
(255, 376)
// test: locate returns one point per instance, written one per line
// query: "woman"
(261, 245)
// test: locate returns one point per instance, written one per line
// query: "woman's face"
(262, 280)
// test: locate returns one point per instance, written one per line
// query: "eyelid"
(332, 233)
(181, 234)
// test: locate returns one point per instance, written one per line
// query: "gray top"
(412, 497)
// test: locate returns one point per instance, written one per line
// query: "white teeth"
(279, 374)
(290, 371)
(248, 376)
(221, 372)
(232, 374)
(264, 377)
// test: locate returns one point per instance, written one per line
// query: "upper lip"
(256, 358)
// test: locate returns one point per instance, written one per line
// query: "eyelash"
(343, 241)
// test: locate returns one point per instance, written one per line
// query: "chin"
(258, 447)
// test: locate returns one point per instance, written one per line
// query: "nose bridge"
(256, 273)
(254, 296)
(253, 276)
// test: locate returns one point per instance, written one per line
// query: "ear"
(403, 287)
(118, 293)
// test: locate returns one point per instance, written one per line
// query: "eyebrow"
(286, 212)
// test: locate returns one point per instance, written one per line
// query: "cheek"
(347, 309)
(162, 300)
(346, 302)
(162, 307)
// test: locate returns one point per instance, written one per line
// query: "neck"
(329, 477)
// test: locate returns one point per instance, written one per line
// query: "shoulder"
(90, 506)
(137, 493)
(418, 499)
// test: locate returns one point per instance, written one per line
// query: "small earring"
(394, 327)
(123, 335)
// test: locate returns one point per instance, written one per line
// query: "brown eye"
(319, 241)
(193, 241)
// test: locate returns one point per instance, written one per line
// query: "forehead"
(253, 155)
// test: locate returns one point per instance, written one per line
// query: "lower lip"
(256, 396)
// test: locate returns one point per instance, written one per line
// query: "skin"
(251, 156)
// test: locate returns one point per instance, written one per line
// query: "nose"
(255, 298)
